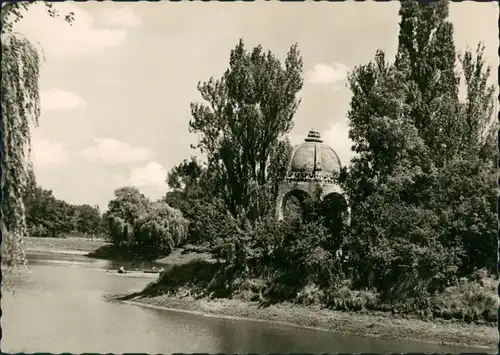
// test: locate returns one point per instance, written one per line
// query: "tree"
(47, 216)
(479, 107)
(246, 113)
(192, 179)
(193, 189)
(426, 56)
(150, 229)
(12, 13)
(417, 219)
(20, 108)
(88, 219)
(185, 175)
(160, 230)
(124, 210)
(279, 163)
(382, 131)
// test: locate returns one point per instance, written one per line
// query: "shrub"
(301, 255)
(310, 294)
(476, 297)
(207, 220)
(38, 231)
(396, 248)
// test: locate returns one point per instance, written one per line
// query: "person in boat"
(121, 270)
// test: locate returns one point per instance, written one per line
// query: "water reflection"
(59, 307)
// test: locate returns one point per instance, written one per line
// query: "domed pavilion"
(312, 172)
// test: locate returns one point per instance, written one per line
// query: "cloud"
(152, 174)
(58, 38)
(60, 100)
(323, 74)
(111, 151)
(121, 17)
(46, 152)
(337, 137)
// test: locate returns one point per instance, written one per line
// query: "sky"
(116, 86)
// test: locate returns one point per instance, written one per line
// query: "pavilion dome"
(313, 157)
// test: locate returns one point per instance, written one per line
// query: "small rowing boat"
(150, 271)
(154, 270)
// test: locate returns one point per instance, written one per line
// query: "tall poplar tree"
(421, 185)
(244, 115)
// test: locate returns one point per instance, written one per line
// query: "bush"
(396, 248)
(38, 231)
(292, 255)
(208, 220)
(310, 294)
(198, 275)
(343, 298)
(473, 299)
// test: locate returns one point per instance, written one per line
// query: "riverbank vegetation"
(422, 189)
(140, 228)
(472, 300)
(422, 236)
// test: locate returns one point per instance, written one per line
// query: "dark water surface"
(59, 307)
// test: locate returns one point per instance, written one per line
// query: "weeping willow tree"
(20, 99)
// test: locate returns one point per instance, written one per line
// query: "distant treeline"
(47, 216)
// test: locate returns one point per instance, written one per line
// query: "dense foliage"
(47, 216)
(245, 115)
(148, 229)
(421, 187)
(196, 192)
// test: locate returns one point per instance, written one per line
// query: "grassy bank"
(67, 245)
(101, 249)
(184, 256)
(462, 315)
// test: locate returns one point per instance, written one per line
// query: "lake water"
(59, 307)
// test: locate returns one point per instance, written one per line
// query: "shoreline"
(56, 252)
(103, 250)
(373, 324)
(67, 245)
(370, 324)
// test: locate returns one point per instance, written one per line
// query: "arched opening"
(294, 203)
(335, 210)
(335, 202)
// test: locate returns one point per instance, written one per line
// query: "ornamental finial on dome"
(313, 136)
